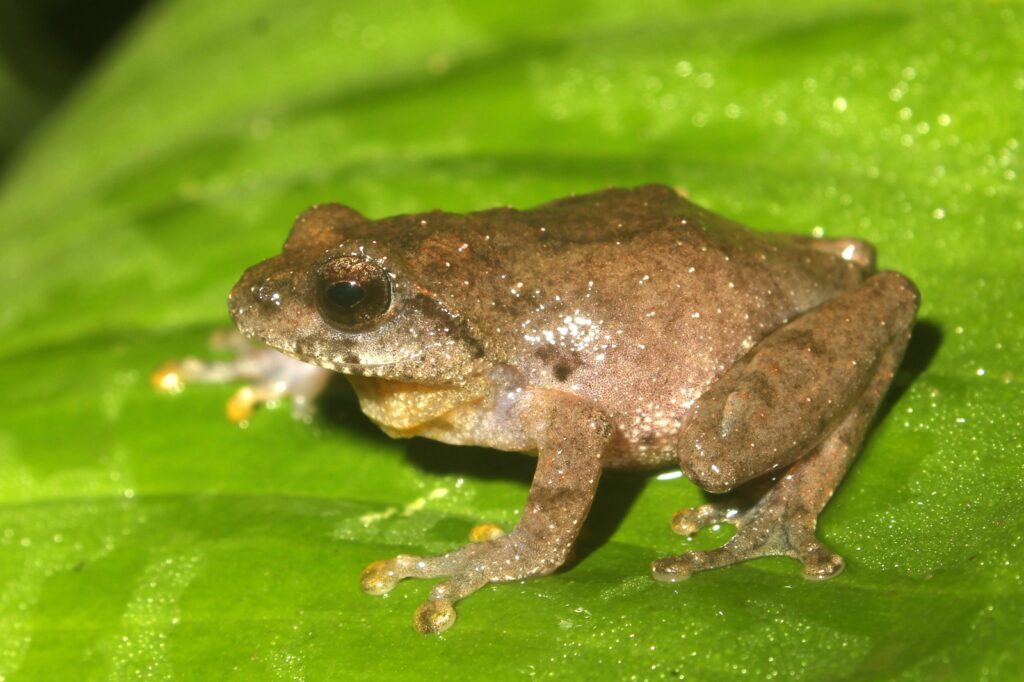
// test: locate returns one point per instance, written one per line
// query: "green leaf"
(18, 107)
(145, 536)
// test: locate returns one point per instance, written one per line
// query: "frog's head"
(338, 298)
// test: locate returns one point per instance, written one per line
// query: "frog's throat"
(406, 409)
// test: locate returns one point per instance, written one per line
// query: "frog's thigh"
(783, 522)
(796, 386)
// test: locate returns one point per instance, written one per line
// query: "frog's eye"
(352, 292)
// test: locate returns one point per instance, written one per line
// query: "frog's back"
(638, 299)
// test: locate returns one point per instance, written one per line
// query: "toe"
(482, 532)
(379, 578)
(684, 522)
(434, 616)
(823, 565)
(671, 569)
(168, 378)
(689, 521)
(240, 406)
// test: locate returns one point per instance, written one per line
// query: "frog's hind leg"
(824, 373)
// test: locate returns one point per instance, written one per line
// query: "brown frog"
(625, 329)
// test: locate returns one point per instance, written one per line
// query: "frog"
(627, 328)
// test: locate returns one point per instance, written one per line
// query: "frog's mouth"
(347, 360)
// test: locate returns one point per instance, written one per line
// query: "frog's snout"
(267, 295)
(263, 291)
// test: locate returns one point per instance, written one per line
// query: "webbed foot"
(773, 527)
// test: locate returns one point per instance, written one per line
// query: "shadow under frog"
(625, 329)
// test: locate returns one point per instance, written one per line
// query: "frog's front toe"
(464, 571)
(170, 377)
(437, 613)
(434, 616)
(482, 532)
(272, 376)
(379, 578)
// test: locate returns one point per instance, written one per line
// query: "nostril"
(266, 295)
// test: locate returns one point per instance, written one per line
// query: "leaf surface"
(142, 535)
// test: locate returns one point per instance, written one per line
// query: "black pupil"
(345, 294)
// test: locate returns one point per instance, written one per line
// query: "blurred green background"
(45, 47)
(152, 151)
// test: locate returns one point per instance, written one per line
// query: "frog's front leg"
(273, 376)
(570, 437)
(804, 394)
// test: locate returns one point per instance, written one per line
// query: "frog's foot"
(776, 526)
(272, 376)
(467, 569)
